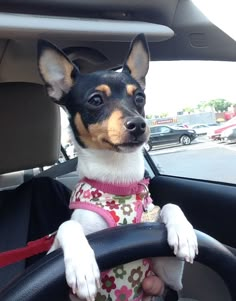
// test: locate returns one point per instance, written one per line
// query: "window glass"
(164, 129)
(198, 100)
(154, 129)
(66, 141)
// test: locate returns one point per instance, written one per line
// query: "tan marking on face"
(62, 65)
(111, 130)
(105, 89)
(93, 137)
(115, 127)
(131, 89)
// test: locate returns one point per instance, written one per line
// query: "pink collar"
(119, 189)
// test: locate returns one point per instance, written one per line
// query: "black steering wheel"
(45, 280)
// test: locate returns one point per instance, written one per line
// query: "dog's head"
(106, 108)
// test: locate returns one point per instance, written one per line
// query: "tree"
(164, 114)
(188, 110)
(220, 105)
(202, 105)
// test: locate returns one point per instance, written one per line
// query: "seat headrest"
(29, 127)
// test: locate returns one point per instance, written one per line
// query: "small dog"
(106, 114)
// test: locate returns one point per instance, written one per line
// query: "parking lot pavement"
(207, 160)
(199, 143)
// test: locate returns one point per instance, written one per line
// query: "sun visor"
(33, 26)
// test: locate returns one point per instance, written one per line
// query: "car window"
(198, 103)
(66, 142)
(197, 97)
(154, 130)
(160, 130)
(164, 130)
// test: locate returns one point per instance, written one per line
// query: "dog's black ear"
(137, 61)
(56, 69)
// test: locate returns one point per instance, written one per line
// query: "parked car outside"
(229, 135)
(163, 134)
(216, 133)
(200, 129)
(182, 126)
(216, 124)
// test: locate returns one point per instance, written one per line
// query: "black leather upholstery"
(14, 227)
(45, 280)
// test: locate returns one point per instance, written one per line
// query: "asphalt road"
(202, 159)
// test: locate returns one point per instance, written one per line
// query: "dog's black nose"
(136, 126)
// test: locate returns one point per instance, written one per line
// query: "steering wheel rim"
(45, 280)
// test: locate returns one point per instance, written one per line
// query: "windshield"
(221, 13)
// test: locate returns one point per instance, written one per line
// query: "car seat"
(30, 138)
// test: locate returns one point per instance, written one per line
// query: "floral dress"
(122, 283)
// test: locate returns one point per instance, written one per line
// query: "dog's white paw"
(180, 233)
(82, 273)
(182, 238)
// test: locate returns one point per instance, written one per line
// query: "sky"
(171, 86)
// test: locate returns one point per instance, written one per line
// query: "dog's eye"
(140, 99)
(95, 100)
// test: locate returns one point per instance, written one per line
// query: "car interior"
(96, 35)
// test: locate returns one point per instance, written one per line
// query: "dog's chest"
(125, 280)
(116, 210)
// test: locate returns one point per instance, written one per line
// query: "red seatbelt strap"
(32, 248)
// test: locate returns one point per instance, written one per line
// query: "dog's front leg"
(180, 233)
(82, 272)
(182, 238)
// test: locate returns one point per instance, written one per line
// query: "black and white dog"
(106, 114)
